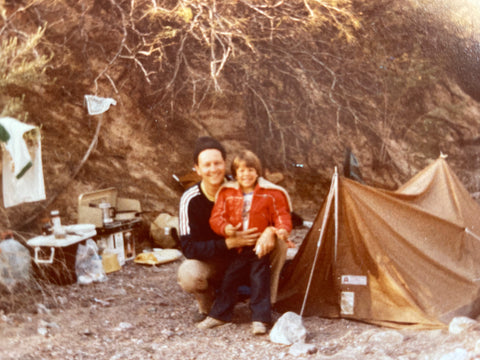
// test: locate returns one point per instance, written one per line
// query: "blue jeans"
(245, 265)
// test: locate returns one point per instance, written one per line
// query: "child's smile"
(246, 177)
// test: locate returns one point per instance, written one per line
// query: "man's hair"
(250, 160)
(207, 142)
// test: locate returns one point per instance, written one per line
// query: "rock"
(119, 292)
(87, 332)
(477, 348)
(168, 333)
(457, 354)
(118, 356)
(15, 263)
(288, 329)
(163, 231)
(42, 331)
(124, 326)
(62, 300)
(274, 177)
(45, 328)
(300, 349)
(49, 325)
(390, 337)
(84, 280)
(461, 324)
(42, 309)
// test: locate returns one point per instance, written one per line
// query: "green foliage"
(20, 62)
(22, 65)
(14, 107)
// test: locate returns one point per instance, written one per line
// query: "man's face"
(211, 167)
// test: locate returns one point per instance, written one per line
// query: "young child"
(249, 202)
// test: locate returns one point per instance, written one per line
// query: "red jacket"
(270, 207)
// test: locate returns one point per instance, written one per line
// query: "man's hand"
(242, 238)
(265, 243)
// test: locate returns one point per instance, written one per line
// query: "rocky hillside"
(298, 82)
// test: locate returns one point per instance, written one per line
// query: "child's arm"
(283, 218)
(282, 234)
(218, 222)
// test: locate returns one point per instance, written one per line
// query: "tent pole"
(470, 232)
(336, 215)
(331, 194)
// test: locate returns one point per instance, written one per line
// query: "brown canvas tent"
(409, 257)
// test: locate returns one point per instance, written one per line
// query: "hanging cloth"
(98, 105)
(22, 171)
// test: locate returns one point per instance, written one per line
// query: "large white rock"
(288, 329)
(15, 263)
(461, 324)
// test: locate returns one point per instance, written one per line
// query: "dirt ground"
(140, 312)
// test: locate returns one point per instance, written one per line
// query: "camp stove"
(116, 221)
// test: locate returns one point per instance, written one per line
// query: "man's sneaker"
(198, 316)
(209, 323)
(259, 328)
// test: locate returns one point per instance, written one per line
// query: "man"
(208, 253)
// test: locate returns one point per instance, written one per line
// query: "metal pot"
(108, 212)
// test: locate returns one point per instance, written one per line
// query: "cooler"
(55, 258)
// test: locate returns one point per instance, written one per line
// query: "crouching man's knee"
(193, 276)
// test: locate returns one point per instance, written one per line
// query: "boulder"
(288, 329)
(163, 231)
(15, 263)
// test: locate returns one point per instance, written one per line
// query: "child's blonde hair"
(250, 159)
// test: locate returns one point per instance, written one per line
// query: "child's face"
(246, 177)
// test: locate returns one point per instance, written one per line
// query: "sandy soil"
(140, 312)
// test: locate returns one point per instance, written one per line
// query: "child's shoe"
(209, 323)
(259, 328)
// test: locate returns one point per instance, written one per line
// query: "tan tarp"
(409, 257)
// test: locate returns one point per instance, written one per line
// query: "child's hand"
(282, 234)
(231, 230)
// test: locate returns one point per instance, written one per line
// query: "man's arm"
(242, 238)
(207, 249)
(197, 240)
(201, 250)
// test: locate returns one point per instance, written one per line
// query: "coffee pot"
(107, 212)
